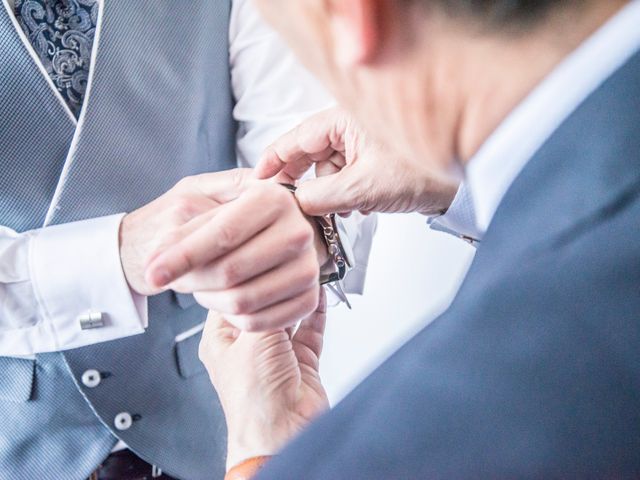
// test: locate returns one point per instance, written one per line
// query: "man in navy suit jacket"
(534, 371)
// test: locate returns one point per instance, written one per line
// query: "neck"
(497, 72)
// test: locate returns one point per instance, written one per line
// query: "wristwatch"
(340, 261)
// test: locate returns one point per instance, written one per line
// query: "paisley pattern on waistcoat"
(62, 32)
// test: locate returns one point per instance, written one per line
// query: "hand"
(252, 255)
(354, 172)
(154, 226)
(268, 383)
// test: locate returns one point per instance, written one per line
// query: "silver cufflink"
(469, 240)
(91, 320)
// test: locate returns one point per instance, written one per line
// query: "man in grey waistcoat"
(106, 107)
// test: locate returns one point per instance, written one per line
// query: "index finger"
(315, 140)
(234, 224)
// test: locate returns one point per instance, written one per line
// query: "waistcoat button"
(123, 421)
(91, 378)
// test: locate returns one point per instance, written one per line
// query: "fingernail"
(160, 277)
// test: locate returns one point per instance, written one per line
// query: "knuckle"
(184, 208)
(185, 260)
(277, 195)
(274, 199)
(186, 185)
(229, 274)
(225, 236)
(238, 178)
(238, 304)
(301, 236)
(271, 150)
(251, 323)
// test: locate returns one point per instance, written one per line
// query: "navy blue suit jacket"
(534, 371)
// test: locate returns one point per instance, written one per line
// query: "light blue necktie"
(62, 32)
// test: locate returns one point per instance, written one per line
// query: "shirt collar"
(493, 169)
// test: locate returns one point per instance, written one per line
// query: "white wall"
(413, 275)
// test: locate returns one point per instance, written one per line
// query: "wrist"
(436, 201)
(132, 258)
(250, 437)
(248, 443)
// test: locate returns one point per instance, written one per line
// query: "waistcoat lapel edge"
(81, 120)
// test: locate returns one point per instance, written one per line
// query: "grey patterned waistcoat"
(158, 108)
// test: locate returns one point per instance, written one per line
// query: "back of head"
(433, 78)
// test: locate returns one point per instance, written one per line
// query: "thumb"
(309, 336)
(218, 336)
(340, 192)
(268, 165)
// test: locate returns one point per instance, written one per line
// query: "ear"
(357, 30)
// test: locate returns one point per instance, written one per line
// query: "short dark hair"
(499, 13)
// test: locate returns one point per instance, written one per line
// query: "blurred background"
(412, 277)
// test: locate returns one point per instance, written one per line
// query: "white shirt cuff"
(460, 218)
(357, 232)
(76, 270)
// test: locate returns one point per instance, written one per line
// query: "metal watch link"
(333, 272)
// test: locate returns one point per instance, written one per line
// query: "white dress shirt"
(44, 280)
(504, 155)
